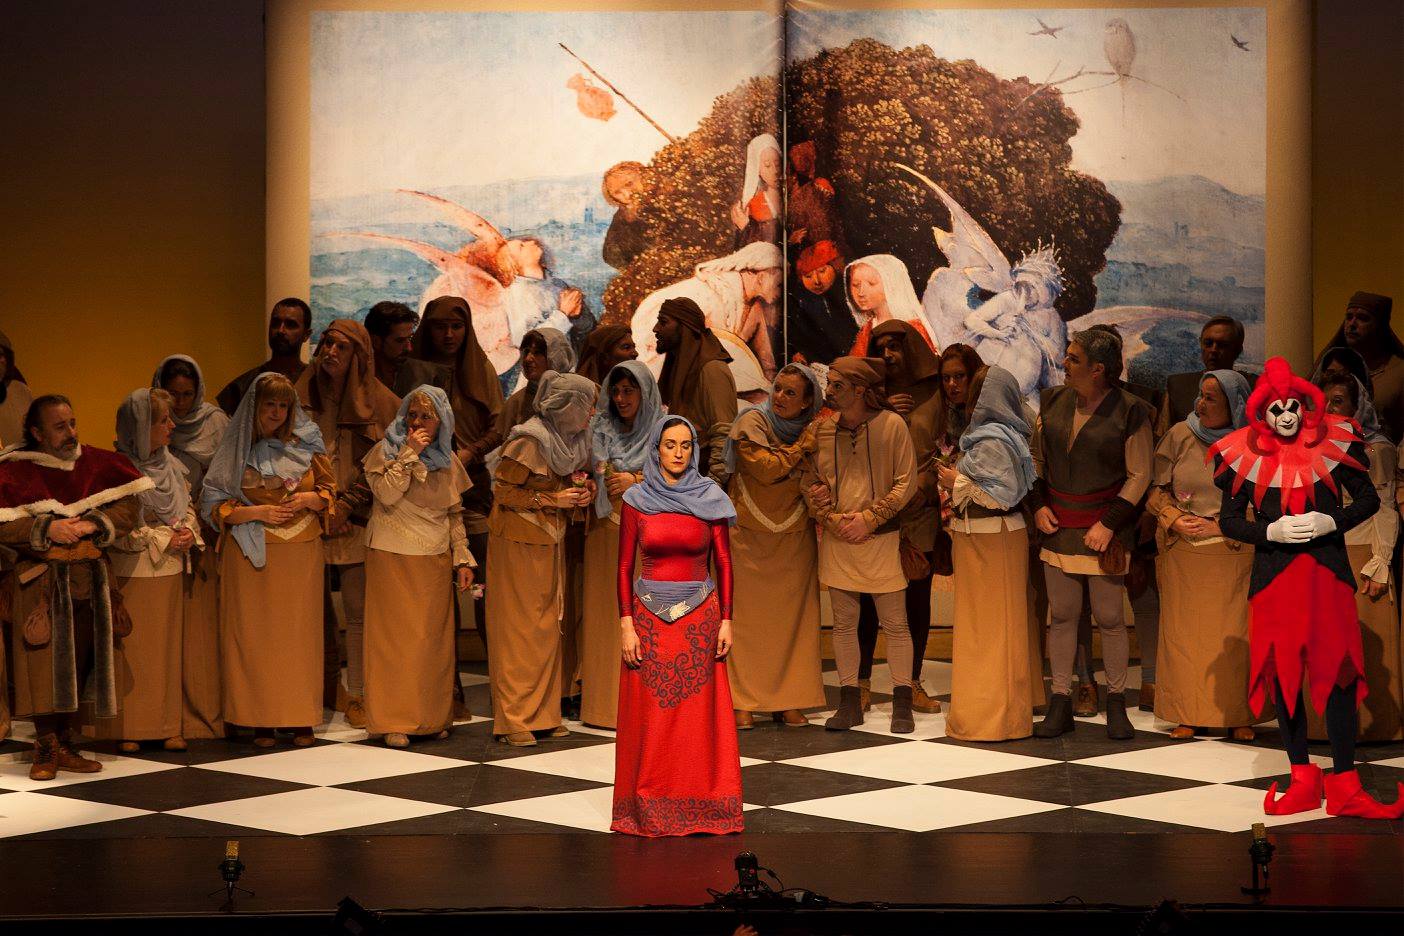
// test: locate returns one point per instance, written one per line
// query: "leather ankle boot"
(69, 759)
(850, 710)
(1119, 727)
(866, 687)
(1058, 721)
(902, 721)
(45, 766)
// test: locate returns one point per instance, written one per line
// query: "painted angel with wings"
(480, 271)
(1005, 312)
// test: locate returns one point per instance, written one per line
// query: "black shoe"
(902, 721)
(1059, 720)
(1118, 725)
(850, 710)
(570, 707)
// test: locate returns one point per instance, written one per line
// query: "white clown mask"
(1284, 417)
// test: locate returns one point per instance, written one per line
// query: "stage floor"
(795, 780)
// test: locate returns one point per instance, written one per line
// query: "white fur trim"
(101, 498)
(17, 452)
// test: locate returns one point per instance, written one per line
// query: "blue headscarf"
(437, 454)
(270, 457)
(693, 494)
(624, 451)
(1236, 391)
(786, 430)
(994, 446)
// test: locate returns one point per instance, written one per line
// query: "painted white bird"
(1119, 44)
(1046, 30)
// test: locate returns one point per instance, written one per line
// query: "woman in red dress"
(677, 769)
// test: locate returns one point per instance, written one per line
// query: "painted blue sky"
(440, 99)
(1218, 131)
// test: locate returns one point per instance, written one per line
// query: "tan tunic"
(1202, 663)
(202, 713)
(869, 470)
(149, 660)
(271, 618)
(1387, 382)
(525, 592)
(415, 539)
(775, 659)
(711, 408)
(600, 646)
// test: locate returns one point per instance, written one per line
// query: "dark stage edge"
(582, 883)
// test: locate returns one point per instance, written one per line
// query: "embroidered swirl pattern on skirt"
(668, 815)
(672, 681)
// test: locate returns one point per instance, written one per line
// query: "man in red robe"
(61, 505)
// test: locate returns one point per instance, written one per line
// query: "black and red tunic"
(1303, 623)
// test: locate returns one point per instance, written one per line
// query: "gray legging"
(1105, 594)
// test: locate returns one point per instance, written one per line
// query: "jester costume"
(1304, 472)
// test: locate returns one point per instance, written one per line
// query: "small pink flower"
(578, 478)
(291, 484)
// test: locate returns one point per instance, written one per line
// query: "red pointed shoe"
(1346, 797)
(1303, 793)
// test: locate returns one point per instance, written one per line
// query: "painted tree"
(1002, 151)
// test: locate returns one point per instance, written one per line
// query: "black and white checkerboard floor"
(794, 779)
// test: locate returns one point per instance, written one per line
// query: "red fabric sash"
(1085, 509)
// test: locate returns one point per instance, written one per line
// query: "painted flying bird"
(1046, 30)
(1239, 42)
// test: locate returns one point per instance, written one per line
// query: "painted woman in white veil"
(878, 288)
(757, 214)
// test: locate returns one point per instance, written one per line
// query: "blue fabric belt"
(672, 600)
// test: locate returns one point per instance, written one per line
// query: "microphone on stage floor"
(1261, 854)
(231, 868)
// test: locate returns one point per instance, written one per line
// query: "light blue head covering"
(270, 457)
(786, 430)
(994, 447)
(693, 494)
(1236, 391)
(623, 450)
(439, 453)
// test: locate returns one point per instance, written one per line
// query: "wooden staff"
(622, 96)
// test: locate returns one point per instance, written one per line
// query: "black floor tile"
(1069, 784)
(776, 742)
(773, 784)
(173, 789)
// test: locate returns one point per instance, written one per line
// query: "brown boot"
(69, 759)
(921, 702)
(744, 721)
(1147, 703)
(45, 766)
(1085, 700)
(355, 712)
(865, 694)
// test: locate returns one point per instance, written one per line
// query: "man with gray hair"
(1093, 450)
(1220, 344)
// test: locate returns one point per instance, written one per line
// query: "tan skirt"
(1379, 632)
(148, 661)
(524, 642)
(270, 635)
(600, 649)
(201, 716)
(994, 646)
(775, 662)
(409, 657)
(1202, 662)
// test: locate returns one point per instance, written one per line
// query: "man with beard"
(289, 326)
(61, 506)
(391, 326)
(696, 381)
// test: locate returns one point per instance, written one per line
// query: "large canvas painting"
(999, 177)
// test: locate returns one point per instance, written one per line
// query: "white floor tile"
(21, 730)
(25, 813)
(333, 764)
(919, 808)
(595, 762)
(919, 762)
(308, 812)
(1392, 762)
(472, 679)
(1218, 807)
(1208, 761)
(14, 770)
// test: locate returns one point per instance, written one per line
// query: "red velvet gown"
(677, 769)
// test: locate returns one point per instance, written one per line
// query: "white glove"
(1291, 529)
(1321, 524)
